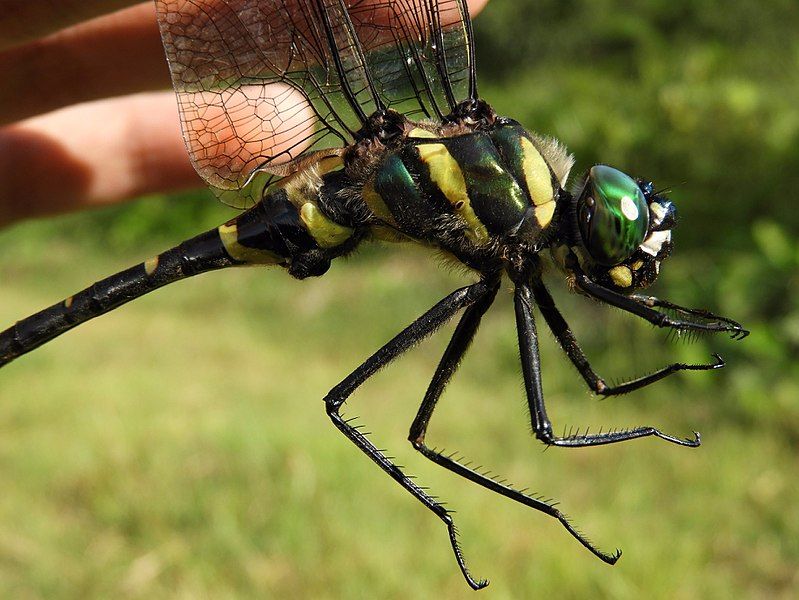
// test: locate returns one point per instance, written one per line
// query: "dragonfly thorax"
(472, 113)
(384, 126)
(471, 194)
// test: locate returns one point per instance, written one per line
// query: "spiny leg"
(571, 347)
(421, 328)
(644, 307)
(501, 487)
(450, 361)
(458, 345)
(531, 370)
(738, 332)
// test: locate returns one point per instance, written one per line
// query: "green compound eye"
(612, 214)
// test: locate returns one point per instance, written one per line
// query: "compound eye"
(612, 215)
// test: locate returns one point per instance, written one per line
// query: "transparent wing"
(419, 53)
(261, 82)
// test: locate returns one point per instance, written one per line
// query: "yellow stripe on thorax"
(376, 204)
(447, 175)
(539, 182)
(418, 132)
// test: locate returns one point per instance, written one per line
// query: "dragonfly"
(336, 123)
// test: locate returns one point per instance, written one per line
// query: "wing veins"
(338, 61)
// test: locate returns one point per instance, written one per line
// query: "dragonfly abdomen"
(202, 253)
(274, 232)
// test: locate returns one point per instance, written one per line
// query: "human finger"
(116, 54)
(112, 55)
(26, 20)
(92, 155)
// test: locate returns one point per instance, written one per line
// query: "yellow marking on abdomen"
(150, 265)
(327, 233)
(68, 302)
(447, 175)
(229, 235)
(539, 182)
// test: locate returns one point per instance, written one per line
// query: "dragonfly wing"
(419, 52)
(261, 82)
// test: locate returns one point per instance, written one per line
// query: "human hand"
(85, 118)
(75, 129)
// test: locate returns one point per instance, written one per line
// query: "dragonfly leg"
(421, 328)
(450, 361)
(738, 331)
(571, 347)
(531, 370)
(458, 345)
(644, 307)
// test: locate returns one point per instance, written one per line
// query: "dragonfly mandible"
(336, 123)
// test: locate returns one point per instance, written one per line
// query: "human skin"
(86, 115)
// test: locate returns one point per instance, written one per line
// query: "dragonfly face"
(624, 228)
(338, 122)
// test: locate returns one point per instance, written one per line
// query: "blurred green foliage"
(149, 455)
(700, 96)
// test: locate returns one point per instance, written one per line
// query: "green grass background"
(178, 447)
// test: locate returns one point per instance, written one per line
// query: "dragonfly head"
(622, 228)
